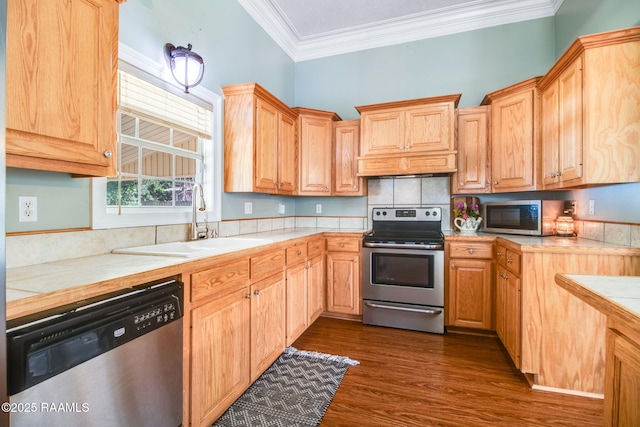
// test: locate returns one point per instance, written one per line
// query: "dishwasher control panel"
(160, 315)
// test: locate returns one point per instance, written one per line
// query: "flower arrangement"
(464, 211)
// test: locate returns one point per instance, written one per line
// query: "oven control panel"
(407, 214)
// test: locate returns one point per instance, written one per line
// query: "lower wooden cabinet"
(220, 355)
(622, 385)
(343, 276)
(267, 323)
(509, 302)
(470, 282)
(315, 296)
(297, 291)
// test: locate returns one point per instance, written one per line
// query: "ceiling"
(310, 29)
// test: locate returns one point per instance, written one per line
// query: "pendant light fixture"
(187, 67)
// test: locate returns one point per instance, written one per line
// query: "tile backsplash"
(411, 192)
(31, 249)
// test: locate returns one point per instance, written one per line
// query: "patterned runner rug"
(295, 391)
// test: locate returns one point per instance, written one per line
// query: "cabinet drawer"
(513, 261)
(315, 247)
(471, 250)
(347, 244)
(267, 263)
(220, 280)
(296, 254)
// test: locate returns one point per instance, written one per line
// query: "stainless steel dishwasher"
(111, 362)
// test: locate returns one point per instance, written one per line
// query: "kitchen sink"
(195, 248)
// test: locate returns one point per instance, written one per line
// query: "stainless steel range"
(403, 269)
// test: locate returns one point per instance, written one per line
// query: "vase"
(467, 226)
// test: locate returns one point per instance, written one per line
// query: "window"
(166, 143)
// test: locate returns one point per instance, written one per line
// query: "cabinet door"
(473, 152)
(61, 85)
(266, 141)
(622, 392)
(287, 151)
(508, 309)
(382, 133)
(315, 155)
(220, 355)
(296, 302)
(429, 128)
(343, 283)
(267, 323)
(570, 122)
(315, 274)
(550, 135)
(346, 148)
(512, 142)
(470, 293)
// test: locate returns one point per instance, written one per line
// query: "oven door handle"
(393, 307)
(435, 247)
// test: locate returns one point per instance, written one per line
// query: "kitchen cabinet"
(473, 174)
(220, 340)
(315, 137)
(305, 286)
(238, 329)
(590, 106)
(470, 282)
(622, 392)
(406, 137)
(344, 296)
(509, 301)
(346, 148)
(515, 137)
(61, 86)
(260, 144)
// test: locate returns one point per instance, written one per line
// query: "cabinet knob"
(256, 292)
(299, 253)
(453, 266)
(108, 154)
(509, 261)
(355, 260)
(461, 184)
(355, 187)
(471, 250)
(499, 253)
(342, 245)
(495, 182)
(248, 296)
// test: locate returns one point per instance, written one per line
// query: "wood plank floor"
(408, 378)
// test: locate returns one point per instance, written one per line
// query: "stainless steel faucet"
(197, 232)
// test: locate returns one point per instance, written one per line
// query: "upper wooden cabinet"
(315, 136)
(407, 137)
(346, 147)
(514, 137)
(473, 175)
(61, 85)
(591, 111)
(260, 144)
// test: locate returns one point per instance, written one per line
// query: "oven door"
(413, 276)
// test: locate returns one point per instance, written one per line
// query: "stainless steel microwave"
(528, 217)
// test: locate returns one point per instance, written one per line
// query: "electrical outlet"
(318, 208)
(592, 207)
(27, 209)
(281, 208)
(248, 208)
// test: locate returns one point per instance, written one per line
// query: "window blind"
(143, 99)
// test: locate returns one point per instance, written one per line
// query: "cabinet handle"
(341, 245)
(453, 266)
(495, 182)
(256, 292)
(355, 187)
(355, 260)
(461, 184)
(471, 251)
(248, 296)
(299, 253)
(499, 253)
(107, 154)
(509, 261)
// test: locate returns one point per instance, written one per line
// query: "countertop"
(40, 287)
(616, 296)
(547, 243)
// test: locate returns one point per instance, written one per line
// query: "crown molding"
(456, 19)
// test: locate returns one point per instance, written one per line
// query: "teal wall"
(237, 50)
(473, 63)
